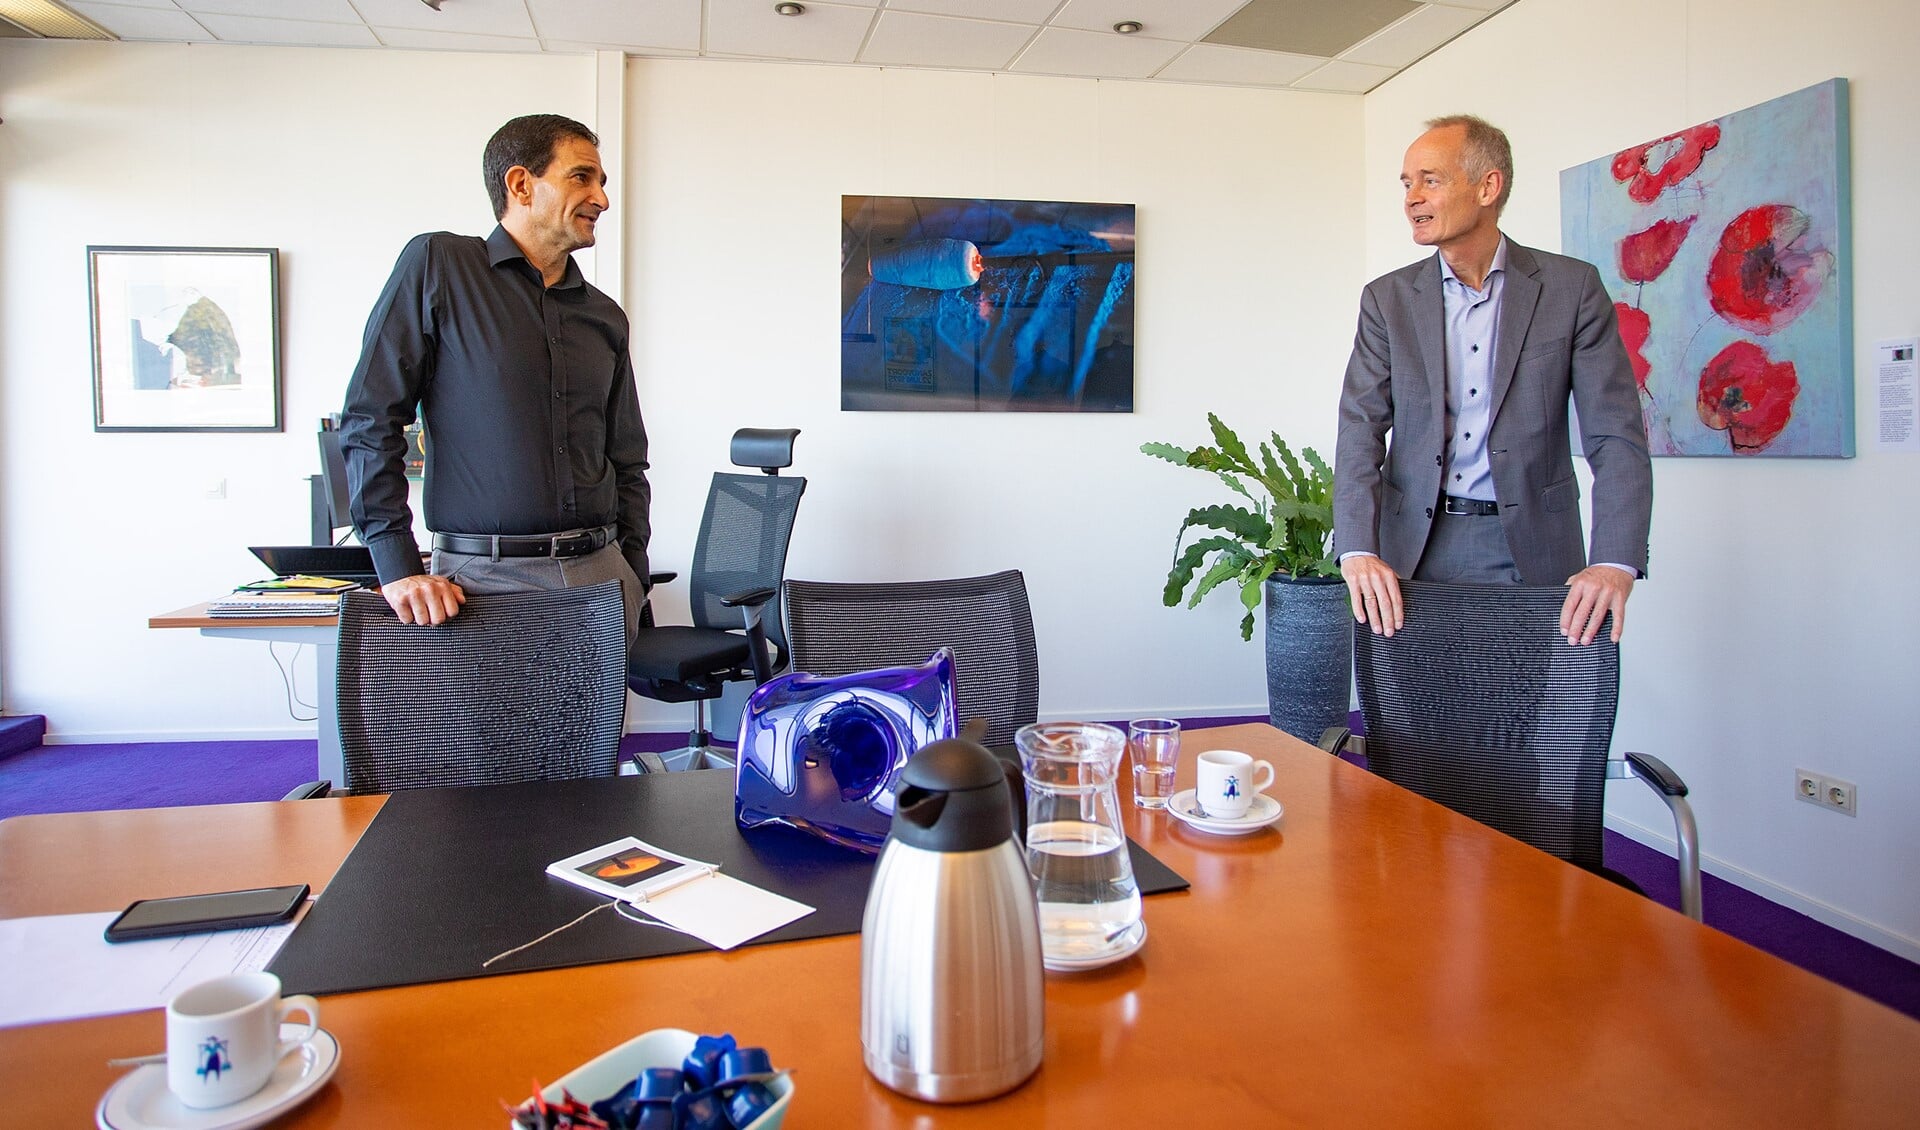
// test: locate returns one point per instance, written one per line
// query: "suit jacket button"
(1429, 511)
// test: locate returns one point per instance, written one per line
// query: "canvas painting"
(1727, 250)
(951, 305)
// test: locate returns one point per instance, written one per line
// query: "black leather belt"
(1477, 507)
(573, 543)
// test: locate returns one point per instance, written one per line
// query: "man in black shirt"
(536, 457)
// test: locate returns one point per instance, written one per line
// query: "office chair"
(738, 561)
(839, 629)
(1480, 704)
(517, 687)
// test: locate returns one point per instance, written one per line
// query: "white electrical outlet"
(1827, 792)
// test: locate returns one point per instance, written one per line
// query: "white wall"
(335, 158)
(1249, 220)
(1777, 627)
(734, 288)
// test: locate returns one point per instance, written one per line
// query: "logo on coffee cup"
(212, 1059)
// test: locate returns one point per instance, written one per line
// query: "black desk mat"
(444, 879)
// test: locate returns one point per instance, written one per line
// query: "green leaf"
(1166, 451)
(1236, 520)
(1188, 563)
(1223, 570)
(1230, 445)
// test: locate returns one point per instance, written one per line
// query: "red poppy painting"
(1725, 247)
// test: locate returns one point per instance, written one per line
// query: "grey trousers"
(479, 573)
(1468, 549)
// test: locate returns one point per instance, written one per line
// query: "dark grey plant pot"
(1309, 654)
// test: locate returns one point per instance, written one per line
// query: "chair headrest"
(766, 448)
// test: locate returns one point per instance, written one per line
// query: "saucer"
(1263, 811)
(141, 1101)
(1128, 946)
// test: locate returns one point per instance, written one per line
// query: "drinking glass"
(1155, 743)
(1076, 847)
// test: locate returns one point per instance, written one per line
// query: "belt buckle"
(1460, 508)
(558, 542)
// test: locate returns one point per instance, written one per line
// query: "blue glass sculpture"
(824, 755)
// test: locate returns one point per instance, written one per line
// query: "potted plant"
(1277, 553)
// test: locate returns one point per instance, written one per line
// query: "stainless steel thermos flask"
(951, 1005)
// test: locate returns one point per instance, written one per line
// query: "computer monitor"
(333, 475)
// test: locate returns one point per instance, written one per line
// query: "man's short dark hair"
(530, 142)
(1486, 150)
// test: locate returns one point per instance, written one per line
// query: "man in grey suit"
(1469, 357)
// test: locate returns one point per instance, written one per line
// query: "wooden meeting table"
(1372, 960)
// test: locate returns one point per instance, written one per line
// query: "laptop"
(341, 562)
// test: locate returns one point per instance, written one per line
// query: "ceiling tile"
(171, 26)
(584, 47)
(1007, 11)
(1345, 78)
(827, 33)
(1161, 19)
(167, 4)
(474, 17)
(1483, 5)
(303, 33)
(1414, 37)
(413, 39)
(1207, 62)
(1092, 54)
(313, 11)
(908, 39)
(1308, 27)
(659, 23)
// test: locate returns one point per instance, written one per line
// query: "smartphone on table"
(195, 914)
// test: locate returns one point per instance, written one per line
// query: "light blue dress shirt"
(1473, 330)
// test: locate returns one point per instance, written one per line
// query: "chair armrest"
(752, 598)
(1334, 738)
(308, 790)
(1656, 773)
(660, 578)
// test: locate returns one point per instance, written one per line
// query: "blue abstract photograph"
(985, 305)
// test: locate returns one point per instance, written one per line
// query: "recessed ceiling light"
(790, 9)
(50, 20)
(1127, 27)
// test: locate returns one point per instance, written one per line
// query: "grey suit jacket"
(1558, 338)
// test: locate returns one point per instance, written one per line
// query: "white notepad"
(684, 893)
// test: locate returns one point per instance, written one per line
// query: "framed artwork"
(951, 305)
(185, 339)
(1727, 248)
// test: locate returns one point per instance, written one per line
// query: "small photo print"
(629, 867)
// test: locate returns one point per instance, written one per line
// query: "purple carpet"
(74, 778)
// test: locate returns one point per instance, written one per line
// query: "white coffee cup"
(1226, 782)
(223, 1037)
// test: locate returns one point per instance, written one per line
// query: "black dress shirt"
(533, 425)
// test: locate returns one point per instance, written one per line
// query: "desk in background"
(1376, 960)
(319, 631)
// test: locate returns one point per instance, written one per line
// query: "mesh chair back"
(1480, 704)
(742, 546)
(517, 687)
(839, 629)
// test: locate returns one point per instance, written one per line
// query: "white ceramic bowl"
(663, 1047)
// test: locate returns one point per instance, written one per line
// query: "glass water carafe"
(1076, 847)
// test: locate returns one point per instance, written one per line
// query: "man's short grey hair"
(1486, 149)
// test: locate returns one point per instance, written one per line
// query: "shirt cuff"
(396, 557)
(1358, 553)
(1627, 569)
